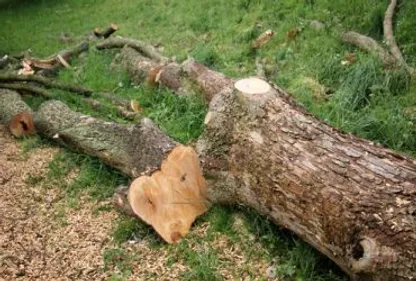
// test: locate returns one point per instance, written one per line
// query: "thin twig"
(45, 82)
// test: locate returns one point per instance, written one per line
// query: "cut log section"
(15, 113)
(178, 78)
(172, 198)
(133, 149)
(106, 32)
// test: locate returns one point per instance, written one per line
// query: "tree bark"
(353, 200)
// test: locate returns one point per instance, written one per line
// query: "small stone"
(317, 25)
(271, 272)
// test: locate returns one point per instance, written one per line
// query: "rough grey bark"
(133, 149)
(351, 199)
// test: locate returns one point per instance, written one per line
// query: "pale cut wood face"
(252, 86)
(172, 198)
(22, 125)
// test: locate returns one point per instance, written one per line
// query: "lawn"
(363, 98)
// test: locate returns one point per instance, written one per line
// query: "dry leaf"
(26, 70)
(135, 106)
(262, 39)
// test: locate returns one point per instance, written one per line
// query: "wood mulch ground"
(43, 238)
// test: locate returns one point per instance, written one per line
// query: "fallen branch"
(51, 65)
(106, 32)
(370, 45)
(25, 88)
(16, 114)
(45, 82)
(119, 42)
(389, 36)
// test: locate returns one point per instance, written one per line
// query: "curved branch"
(370, 45)
(119, 42)
(389, 36)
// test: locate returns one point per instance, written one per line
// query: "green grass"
(219, 33)
(363, 98)
(120, 259)
(90, 175)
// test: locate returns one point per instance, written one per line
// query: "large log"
(351, 199)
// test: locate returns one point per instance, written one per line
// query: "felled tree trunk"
(351, 199)
(51, 66)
